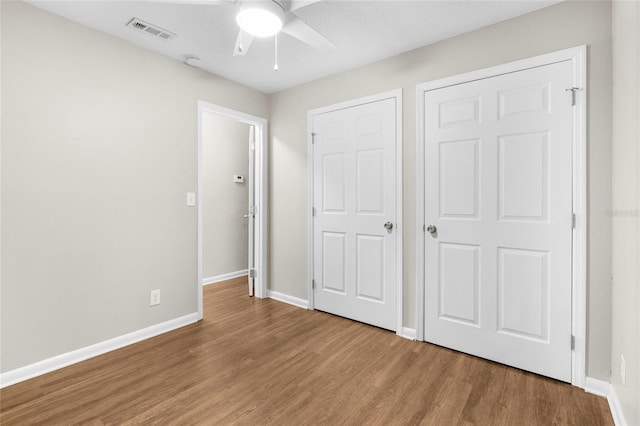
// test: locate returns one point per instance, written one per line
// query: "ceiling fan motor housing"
(261, 18)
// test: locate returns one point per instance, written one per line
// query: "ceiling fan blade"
(243, 42)
(297, 4)
(299, 29)
(203, 2)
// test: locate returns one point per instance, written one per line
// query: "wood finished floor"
(254, 362)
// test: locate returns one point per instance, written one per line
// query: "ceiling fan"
(267, 18)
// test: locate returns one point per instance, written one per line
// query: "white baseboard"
(281, 297)
(224, 277)
(409, 333)
(615, 407)
(596, 387)
(59, 361)
(607, 390)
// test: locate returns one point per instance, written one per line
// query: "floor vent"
(150, 29)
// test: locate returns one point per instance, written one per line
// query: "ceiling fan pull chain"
(275, 67)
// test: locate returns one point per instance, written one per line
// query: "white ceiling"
(363, 31)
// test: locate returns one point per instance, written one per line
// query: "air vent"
(150, 29)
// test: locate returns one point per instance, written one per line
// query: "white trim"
(420, 225)
(397, 95)
(578, 56)
(409, 333)
(224, 277)
(261, 194)
(596, 386)
(63, 360)
(399, 218)
(285, 298)
(615, 407)
(569, 54)
(607, 390)
(310, 181)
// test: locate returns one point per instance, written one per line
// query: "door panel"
(523, 280)
(370, 181)
(523, 176)
(354, 154)
(370, 253)
(459, 179)
(334, 189)
(334, 262)
(498, 182)
(459, 292)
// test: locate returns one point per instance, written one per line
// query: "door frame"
(260, 188)
(578, 58)
(397, 96)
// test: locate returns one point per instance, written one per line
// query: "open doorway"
(232, 204)
(225, 198)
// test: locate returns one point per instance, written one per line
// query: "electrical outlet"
(191, 199)
(154, 297)
(623, 371)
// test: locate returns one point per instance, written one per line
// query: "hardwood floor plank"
(253, 361)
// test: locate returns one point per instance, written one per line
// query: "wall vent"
(150, 29)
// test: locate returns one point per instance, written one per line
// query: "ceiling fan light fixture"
(261, 19)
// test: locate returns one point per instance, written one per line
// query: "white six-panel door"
(498, 193)
(354, 187)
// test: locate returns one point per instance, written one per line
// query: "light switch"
(238, 179)
(191, 199)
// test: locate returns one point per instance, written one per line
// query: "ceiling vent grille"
(150, 29)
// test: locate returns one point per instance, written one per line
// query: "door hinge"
(313, 284)
(253, 209)
(313, 137)
(253, 273)
(313, 211)
(424, 228)
(573, 342)
(573, 221)
(573, 91)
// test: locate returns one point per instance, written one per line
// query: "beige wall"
(626, 206)
(225, 152)
(565, 25)
(98, 153)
